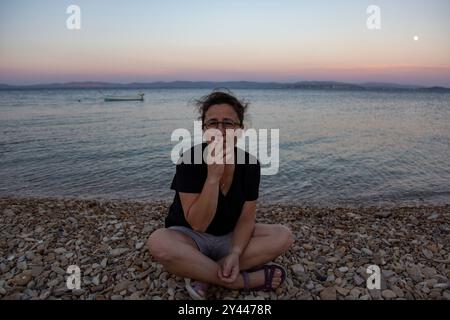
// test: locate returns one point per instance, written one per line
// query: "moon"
(416, 38)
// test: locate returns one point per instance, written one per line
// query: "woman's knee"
(284, 237)
(158, 245)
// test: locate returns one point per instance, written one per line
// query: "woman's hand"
(229, 270)
(216, 170)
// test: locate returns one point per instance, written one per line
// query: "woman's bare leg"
(267, 243)
(179, 255)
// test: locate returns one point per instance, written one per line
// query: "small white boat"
(139, 97)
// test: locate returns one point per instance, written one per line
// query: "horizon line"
(224, 81)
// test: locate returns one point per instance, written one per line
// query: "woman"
(210, 232)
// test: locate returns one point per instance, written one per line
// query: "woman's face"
(225, 115)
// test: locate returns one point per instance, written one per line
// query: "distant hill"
(303, 85)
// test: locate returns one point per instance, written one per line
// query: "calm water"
(336, 148)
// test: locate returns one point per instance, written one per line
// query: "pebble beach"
(41, 237)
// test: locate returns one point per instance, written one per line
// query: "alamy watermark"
(258, 144)
(74, 279)
(73, 22)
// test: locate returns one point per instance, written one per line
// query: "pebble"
(328, 294)
(383, 214)
(427, 254)
(387, 273)
(388, 294)
(358, 280)
(298, 269)
(414, 273)
(122, 285)
(22, 279)
(118, 251)
(342, 291)
(139, 245)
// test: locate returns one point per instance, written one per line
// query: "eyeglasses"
(227, 124)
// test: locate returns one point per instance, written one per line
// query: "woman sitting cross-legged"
(210, 233)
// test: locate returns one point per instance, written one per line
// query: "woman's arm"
(243, 232)
(200, 209)
(244, 228)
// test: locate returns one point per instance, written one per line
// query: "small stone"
(414, 273)
(22, 265)
(388, 294)
(123, 285)
(342, 291)
(399, 292)
(387, 273)
(59, 250)
(118, 251)
(328, 294)
(72, 220)
(22, 279)
(29, 255)
(60, 291)
(358, 280)
(104, 262)
(53, 283)
(333, 260)
(298, 269)
(367, 251)
(78, 292)
(356, 251)
(383, 214)
(69, 255)
(95, 281)
(139, 245)
(433, 216)
(446, 295)
(427, 254)
(135, 296)
(441, 286)
(36, 271)
(58, 270)
(44, 295)
(429, 272)
(97, 288)
(343, 269)
(355, 293)
(307, 247)
(331, 278)
(116, 297)
(142, 285)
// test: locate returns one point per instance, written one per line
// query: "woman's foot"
(197, 290)
(266, 278)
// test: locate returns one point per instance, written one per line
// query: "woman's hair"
(221, 97)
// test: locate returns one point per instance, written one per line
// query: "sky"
(225, 40)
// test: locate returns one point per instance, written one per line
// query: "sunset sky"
(255, 40)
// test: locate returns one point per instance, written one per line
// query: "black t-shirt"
(190, 178)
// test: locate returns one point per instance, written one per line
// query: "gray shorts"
(214, 247)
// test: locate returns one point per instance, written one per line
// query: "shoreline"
(41, 236)
(351, 205)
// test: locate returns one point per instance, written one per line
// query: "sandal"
(269, 272)
(195, 288)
